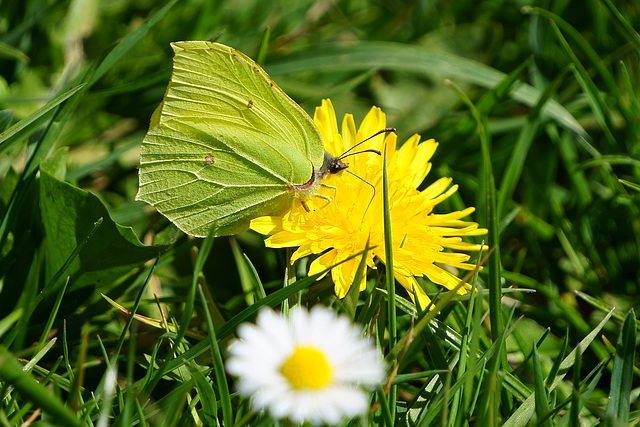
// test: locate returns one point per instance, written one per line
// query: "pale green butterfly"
(227, 145)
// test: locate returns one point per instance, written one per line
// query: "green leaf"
(496, 315)
(189, 306)
(390, 280)
(68, 214)
(593, 95)
(249, 313)
(56, 164)
(603, 306)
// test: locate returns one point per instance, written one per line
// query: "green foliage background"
(554, 88)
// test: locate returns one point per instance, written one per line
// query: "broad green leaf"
(56, 163)
(68, 214)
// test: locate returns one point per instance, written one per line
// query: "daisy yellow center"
(307, 368)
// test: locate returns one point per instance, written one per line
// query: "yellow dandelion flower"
(423, 241)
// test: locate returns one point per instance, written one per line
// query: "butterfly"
(227, 145)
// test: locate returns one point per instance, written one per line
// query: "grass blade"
(203, 254)
(591, 91)
(541, 397)
(389, 277)
(494, 283)
(24, 127)
(521, 148)
(622, 23)
(11, 372)
(622, 374)
(441, 65)
(523, 414)
(218, 367)
(129, 41)
(574, 409)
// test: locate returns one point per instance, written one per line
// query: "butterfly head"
(331, 165)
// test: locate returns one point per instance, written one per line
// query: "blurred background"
(567, 178)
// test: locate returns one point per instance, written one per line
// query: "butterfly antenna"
(385, 130)
(370, 150)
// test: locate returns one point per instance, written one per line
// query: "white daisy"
(311, 366)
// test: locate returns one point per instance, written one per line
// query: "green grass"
(534, 104)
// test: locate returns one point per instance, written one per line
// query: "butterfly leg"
(322, 196)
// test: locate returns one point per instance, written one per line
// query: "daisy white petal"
(310, 366)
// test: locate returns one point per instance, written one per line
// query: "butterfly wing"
(225, 145)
